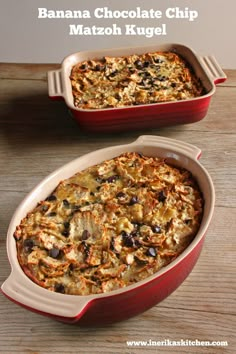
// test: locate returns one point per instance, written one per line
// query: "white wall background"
(25, 38)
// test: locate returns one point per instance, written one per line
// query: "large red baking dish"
(142, 116)
(126, 302)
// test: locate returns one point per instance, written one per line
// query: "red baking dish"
(123, 303)
(141, 116)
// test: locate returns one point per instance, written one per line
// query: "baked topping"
(133, 80)
(110, 225)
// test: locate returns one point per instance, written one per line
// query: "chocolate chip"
(83, 66)
(136, 243)
(161, 77)
(129, 240)
(173, 84)
(146, 75)
(134, 233)
(117, 96)
(152, 252)
(168, 225)
(162, 196)
(72, 266)
(140, 154)
(151, 81)
(66, 203)
(76, 207)
(112, 179)
(52, 213)
(188, 221)
(85, 235)
(59, 288)
(158, 60)
(138, 64)
(142, 83)
(54, 252)
(120, 195)
(51, 198)
(139, 261)
(156, 229)
(113, 73)
(146, 63)
(98, 67)
(136, 224)
(44, 208)
(66, 224)
(28, 245)
(66, 233)
(133, 200)
(112, 246)
(99, 180)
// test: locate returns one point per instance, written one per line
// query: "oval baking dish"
(125, 302)
(144, 115)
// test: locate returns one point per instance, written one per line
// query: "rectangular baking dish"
(145, 116)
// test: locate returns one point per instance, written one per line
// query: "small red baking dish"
(142, 116)
(132, 300)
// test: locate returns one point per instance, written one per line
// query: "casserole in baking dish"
(133, 80)
(144, 115)
(127, 301)
(110, 225)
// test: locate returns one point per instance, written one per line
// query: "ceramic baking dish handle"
(179, 146)
(55, 86)
(213, 69)
(17, 288)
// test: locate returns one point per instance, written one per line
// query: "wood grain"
(37, 136)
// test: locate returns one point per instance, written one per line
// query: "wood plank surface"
(37, 136)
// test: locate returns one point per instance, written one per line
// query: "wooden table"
(37, 136)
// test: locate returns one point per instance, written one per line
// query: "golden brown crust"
(110, 225)
(133, 80)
